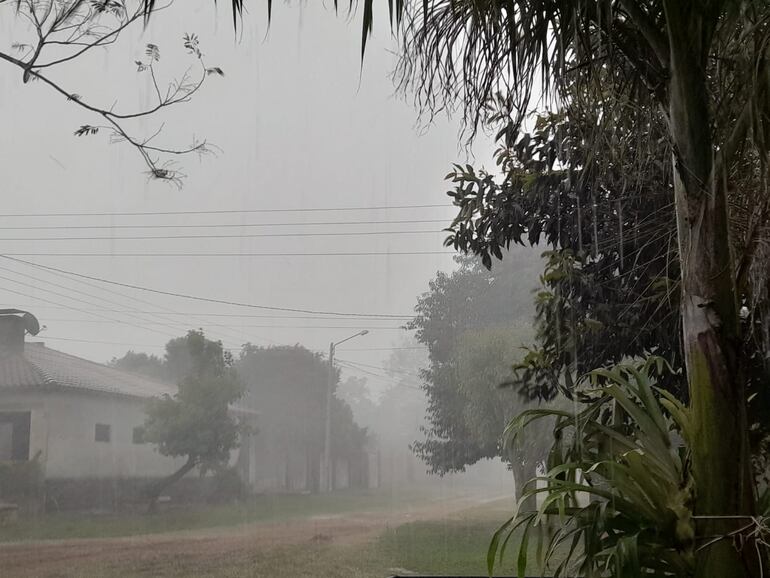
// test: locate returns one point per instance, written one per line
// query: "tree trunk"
(719, 440)
(157, 489)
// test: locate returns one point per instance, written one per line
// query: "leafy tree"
(193, 355)
(52, 33)
(197, 422)
(669, 55)
(396, 417)
(287, 385)
(142, 363)
(473, 321)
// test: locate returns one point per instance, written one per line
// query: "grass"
(455, 547)
(265, 508)
(445, 548)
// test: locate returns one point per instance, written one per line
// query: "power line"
(250, 316)
(239, 236)
(124, 343)
(204, 299)
(230, 211)
(390, 380)
(226, 225)
(77, 300)
(385, 369)
(177, 325)
(416, 348)
(6, 289)
(241, 254)
(206, 324)
(98, 341)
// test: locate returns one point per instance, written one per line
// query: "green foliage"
(625, 450)
(227, 486)
(472, 321)
(142, 363)
(197, 422)
(288, 386)
(191, 354)
(21, 481)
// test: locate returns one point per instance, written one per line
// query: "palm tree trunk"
(157, 489)
(720, 453)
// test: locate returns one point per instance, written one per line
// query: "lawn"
(455, 547)
(265, 508)
(456, 544)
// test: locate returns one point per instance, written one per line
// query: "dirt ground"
(206, 549)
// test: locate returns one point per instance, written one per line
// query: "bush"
(227, 486)
(626, 451)
(21, 482)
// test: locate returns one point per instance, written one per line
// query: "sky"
(297, 123)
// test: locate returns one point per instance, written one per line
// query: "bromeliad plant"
(625, 450)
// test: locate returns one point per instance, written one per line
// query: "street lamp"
(326, 465)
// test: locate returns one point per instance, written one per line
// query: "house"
(80, 420)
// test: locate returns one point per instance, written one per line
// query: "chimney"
(13, 325)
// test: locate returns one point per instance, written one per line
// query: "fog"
(181, 364)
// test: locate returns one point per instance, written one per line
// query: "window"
(102, 432)
(138, 435)
(14, 435)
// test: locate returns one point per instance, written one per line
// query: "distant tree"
(394, 415)
(355, 392)
(197, 422)
(287, 385)
(189, 355)
(51, 33)
(194, 354)
(142, 363)
(472, 322)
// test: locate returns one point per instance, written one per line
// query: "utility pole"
(326, 474)
(326, 460)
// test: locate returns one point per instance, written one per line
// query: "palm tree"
(703, 63)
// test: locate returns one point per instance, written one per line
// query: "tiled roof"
(41, 366)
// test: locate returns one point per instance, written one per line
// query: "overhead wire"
(228, 211)
(204, 299)
(225, 225)
(259, 316)
(238, 236)
(178, 326)
(232, 254)
(393, 382)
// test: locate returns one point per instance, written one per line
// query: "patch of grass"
(438, 547)
(264, 508)
(453, 546)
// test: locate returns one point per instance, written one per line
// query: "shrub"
(227, 486)
(625, 451)
(21, 481)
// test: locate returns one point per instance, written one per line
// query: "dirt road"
(162, 554)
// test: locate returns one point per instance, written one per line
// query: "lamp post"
(326, 465)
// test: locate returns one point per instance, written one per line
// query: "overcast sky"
(299, 125)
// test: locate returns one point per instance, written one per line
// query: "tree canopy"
(288, 385)
(472, 319)
(197, 423)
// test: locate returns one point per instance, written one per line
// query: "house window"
(138, 435)
(102, 432)
(14, 435)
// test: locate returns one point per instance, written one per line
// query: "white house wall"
(62, 429)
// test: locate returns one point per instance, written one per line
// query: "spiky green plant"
(626, 451)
